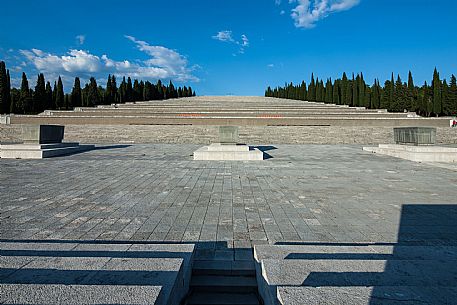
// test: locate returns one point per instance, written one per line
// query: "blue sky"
(228, 47)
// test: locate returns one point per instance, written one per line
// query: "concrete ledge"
(416, 153)
(40, 151)
(229, 153)
(222, 147)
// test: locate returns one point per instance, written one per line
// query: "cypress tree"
(452, 97)
(39, 96)
(109, 92)
(363, 100)
(160, 93)
(122, 91)
(355, 91)
(129, 91)
(8, 91)
(54, 92)
(312, 89)
(137, 92)
(444, 98)
(66, 101)
(329, 91)
(375, 95)
(141, 89)
(60, 96)
(147, 91)
(399, 101)
(336, 98)
(436, 91)
(93, 95)
(345, 99)
(115, 95)
(76, 94)
(5, 89)
(48, 100)
(25, 100)
(412, 94)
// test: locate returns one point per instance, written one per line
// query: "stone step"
(386, 295)
(94, 273)
(223, 299)
(24, 151)
(359, 272)
(352, 273)
(373, 252)
(243, 268)
(219, 283)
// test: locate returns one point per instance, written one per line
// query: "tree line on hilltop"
(44, 96)
(437, 99)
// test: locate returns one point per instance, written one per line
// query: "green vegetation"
(439, 99)
(28, 101)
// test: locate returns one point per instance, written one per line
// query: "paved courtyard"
(121, 224)
(309, 193)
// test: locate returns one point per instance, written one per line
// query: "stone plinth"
(40, 151)
(416, 153)
(219, 152)
(42, 134)
(41, 141)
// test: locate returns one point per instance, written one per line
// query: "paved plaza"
(120, 224)
(158, 193)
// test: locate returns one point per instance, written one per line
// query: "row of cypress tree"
(437, 99)
(30, 101)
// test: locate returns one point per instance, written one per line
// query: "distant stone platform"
(416, 153)
(229, 110)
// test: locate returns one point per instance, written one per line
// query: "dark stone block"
(42, 134)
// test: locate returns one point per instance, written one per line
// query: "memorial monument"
(416, 144)
(41, 141)
(228, 148)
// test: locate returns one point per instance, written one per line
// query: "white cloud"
(163, 63)
(270, 65)
(227, 36)
(308, 12)
(81, 39)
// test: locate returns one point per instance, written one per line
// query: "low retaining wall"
(201, 134)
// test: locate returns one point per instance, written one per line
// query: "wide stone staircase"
(357, 274)
(228, 110)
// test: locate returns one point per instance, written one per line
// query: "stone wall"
(100, 134)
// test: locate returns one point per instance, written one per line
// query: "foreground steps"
(356, 274)
(61, 272)
(227, 282)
